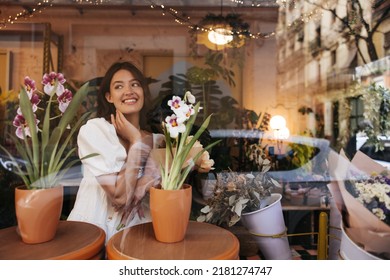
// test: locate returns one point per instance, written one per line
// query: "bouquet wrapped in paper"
(362, 195)
(203, 164)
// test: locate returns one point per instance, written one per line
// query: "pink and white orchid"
(175, 103)
(45, 122)
(29, 85)
(22, 128)
(49, 83)
(64, 100)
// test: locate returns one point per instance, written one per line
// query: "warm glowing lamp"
(218, 32)
(220, 36)
(281, 132)
(277, 122)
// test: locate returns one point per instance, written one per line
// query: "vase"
(38, 213)
(268, 228)
(170, 211)
(349, 250)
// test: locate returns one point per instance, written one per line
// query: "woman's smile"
(129, 101)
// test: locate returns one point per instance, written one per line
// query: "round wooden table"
(73, 241)
(202, 242)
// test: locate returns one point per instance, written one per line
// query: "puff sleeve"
(99, 136)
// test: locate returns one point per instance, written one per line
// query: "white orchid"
(174, 125)
(180, 145)
(190, 97)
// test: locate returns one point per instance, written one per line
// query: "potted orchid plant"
(44, 131)
(45, 124)
(170, 204)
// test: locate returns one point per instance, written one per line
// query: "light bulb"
(220, 36)
(277, 122)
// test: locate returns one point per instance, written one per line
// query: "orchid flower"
(174, 126)
(64, 100)
(22, 128)
(29, 85)
(49, 81)
(188, 96)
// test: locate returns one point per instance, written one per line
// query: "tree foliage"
(356, 26)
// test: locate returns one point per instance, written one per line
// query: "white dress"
(91, 205)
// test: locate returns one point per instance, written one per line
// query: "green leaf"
(56, 156)
(26, 108)
(73, 107)
(46, 130)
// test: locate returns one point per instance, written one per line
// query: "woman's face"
(126, 93)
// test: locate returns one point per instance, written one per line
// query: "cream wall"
(259, 75)
(93, 39)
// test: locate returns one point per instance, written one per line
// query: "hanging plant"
(376, 97)
(238, 28)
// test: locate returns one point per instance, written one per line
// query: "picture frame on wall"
(5, 60)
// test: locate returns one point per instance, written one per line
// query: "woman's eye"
(118, 86)
(135, 84)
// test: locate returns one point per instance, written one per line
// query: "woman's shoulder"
(94, 123)
(97, 121)
(97, 127)
(98, 132)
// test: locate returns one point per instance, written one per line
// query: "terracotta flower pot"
(170, 211)
(38, 213)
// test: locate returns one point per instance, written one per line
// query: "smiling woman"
(291, 58)
(113, 191)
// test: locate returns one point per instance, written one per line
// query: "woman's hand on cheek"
(124, 128)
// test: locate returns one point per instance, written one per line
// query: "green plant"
(376, 97)
(300, 154)
(43, 133)
(204, 80)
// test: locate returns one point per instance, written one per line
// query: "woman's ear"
(108, 97)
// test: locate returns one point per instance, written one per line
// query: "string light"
(196, 27)
(26, 13)
(93, 2)
(42, 5)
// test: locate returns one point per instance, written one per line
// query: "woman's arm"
(150, 178)
(120, 187)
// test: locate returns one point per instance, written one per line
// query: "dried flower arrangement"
(236, 193)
